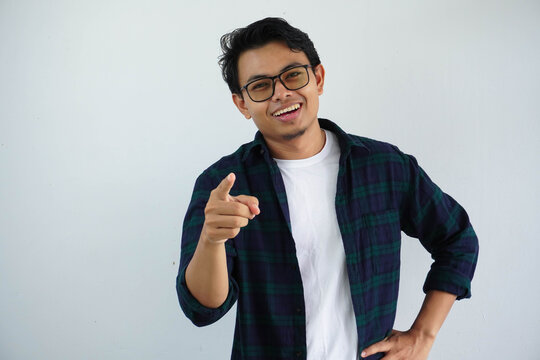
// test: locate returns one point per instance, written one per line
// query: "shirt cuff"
(199, 314)
(448, 281)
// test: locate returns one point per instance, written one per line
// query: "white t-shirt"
(310, 185)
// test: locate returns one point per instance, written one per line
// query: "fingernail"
(363, 354)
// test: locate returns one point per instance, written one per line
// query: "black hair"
(257, 35)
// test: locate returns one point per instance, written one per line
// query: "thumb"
(222, 191)
(250, 201)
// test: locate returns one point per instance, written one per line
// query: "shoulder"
(378, 149)
(360, 146)
(233, 162)
(376, 146)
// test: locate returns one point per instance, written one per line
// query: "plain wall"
(110, 109)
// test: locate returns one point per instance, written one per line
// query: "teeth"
(290, 108)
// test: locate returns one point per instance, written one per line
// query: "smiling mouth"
(287, 110)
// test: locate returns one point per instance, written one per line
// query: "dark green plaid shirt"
(380, 192)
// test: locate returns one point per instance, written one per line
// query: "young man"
(302, 226)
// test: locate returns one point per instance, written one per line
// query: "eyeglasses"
(262, 89)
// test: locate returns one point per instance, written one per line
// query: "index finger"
(225, 186)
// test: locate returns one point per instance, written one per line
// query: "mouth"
(287, 113)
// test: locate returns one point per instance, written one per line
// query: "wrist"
(205, 240)
(424, 333)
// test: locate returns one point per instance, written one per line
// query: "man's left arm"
(443, 228)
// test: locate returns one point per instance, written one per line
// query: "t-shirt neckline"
(312, 160)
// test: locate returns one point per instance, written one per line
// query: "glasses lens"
(260, 90)
(295, 78)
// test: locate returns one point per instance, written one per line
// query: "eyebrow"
(258, 76)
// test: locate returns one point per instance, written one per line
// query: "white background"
(110, 109)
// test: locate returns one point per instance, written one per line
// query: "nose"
(280, 91)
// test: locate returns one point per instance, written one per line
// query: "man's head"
(275, 77)
(257, 35)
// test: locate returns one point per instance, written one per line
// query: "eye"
(259, 85)
(293, 74)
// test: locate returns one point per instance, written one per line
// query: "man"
(302, 225)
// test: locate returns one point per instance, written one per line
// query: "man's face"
(276, 126)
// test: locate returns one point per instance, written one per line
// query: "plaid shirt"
(380, 192)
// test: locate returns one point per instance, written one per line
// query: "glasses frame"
(273, 79)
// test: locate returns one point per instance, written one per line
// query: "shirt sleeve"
(199, 314)
(443, 228)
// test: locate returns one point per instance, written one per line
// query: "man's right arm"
(224, 215)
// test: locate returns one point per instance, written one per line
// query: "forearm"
(436, 306)
(416, 342)
(206, 275)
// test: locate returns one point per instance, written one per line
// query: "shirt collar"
(346, 141)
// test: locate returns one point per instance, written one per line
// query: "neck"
(311, 142)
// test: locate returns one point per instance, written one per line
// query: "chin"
(294, 135)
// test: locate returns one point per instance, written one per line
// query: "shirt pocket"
(382, 232)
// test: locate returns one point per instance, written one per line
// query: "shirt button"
(298, 310)
(298, 353)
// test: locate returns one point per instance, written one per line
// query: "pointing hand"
(225, 215)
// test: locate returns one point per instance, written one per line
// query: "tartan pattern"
(380, 192)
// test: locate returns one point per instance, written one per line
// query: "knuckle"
(236, 206)
(208, 214)
(237, 222)
(210, 205)
(233, 233)
(243, 210)
(210, 223)
(211, 233)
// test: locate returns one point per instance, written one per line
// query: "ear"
(240, 103)
(319, 78)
